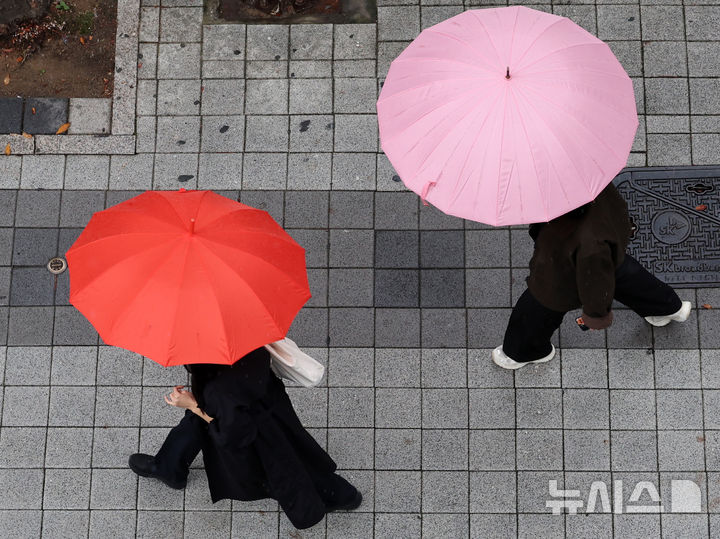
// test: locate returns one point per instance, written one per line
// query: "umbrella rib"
(502, 132)
(479, 20)
(479, 53)
(408, 126)
(530, 46)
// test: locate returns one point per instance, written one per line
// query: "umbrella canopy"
(507, 115)
(187, 277)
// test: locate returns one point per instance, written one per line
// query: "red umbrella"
(187, 277)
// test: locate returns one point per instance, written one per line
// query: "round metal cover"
(56, 265)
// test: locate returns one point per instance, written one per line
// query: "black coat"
(256, 446)
(575, 257)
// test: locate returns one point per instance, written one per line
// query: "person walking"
(253, 443)
(580, 261)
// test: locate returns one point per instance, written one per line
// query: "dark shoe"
(145, 466)
(347, 506)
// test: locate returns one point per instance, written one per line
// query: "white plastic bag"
(291, 363)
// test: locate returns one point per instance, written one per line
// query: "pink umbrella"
(507, 115)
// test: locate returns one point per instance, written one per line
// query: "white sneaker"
(502, 360)
(679, 316)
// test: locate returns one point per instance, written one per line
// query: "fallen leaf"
(33, 110)
(90, 38)
(19, 59)
(82, 40)
(7, 150)
(63, 128)
(700, 438)
(701, 207)
(707, 306)
(26, 135)
(6, 80)
(140, 65)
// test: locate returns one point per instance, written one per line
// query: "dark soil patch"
(70, 52)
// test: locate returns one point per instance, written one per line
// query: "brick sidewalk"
(407, 302)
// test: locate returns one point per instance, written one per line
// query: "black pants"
(184, 442)
(531, 325)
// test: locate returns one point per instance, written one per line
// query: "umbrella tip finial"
(507, 73)
(192, 226)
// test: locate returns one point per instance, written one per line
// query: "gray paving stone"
(71, 327)
(354, 41)
(30, 326)
(350, 407)
(89, 116)
(149, 24)
(265, 171)
(65, 523)
(23, 489)
(397, 367)
(350, 288)
(705, 147)
(444, 408)
(5, 284)
(310, 41)
(42, 172)
(668, 150)
(585, 409)
(356, 133)
(530, 525)
(700, 22)
(677, 525)
(354, 95)
(121, 523)
(488, 288)
(445, 449)
(34, 246)
(181, 24)
(444, 367)
(679, 409)
(314, 96)
(539, 449)
(267, 69)
(8, 199)
(10, 172)
(220, 69)
(629, 53)
(397, 408)
(146, 135)
(482, 372)
(634, 450)
(318, 280)
(632, 409)
(675, 369)
(584, 368)
(442, 249)
(396, 211)
(86, 172)
(486, 525)
(353, 367)
(68, 447)
(667, 95)
(618, 22)
(492, 450)
(355, 69)
(353, 171)
(266, 96)
(661, 23)
(704, 96)
(49, 114)
(148, 61)
(267, 42)
(664, 58)
(175, 170)
(397, 449)
(703, 59)
(178, 61)
(311, 133)
(492, 408)
(117, 406)
(486, 327)
(351, 326)
(681, 450)
(305, 209)
(631, 369)
(397, 327)
(113, 489)
(710, 364)
(11, 114)
(388, 179)
(587, 450)
(400, 525)
(220, 171)
(66, 489)
(351, 209)
(247, 524)
(492, 492)
(308, 69)
(178, 97)
(442, 288)
(25, 406)
(445, 491)
(77, 207)
(131, 171)
(71, 406)
(224, 42)
(539, 408)
(351, 248)
(22, 447)
(433, 219)
(352, 448)
(398, 23)
(397, 491)
(31, 286)
(223, 134)
(532, 487)
(444, 328)
(178, 134)
(309, 171)
(27, 365)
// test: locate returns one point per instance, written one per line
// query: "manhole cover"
(676, 217)
(56, 265)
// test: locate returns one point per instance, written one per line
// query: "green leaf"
(62, 5)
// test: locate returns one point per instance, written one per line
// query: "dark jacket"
(576, 256)
(257, 447)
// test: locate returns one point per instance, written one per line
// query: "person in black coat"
(253, 443)
(580, 261)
